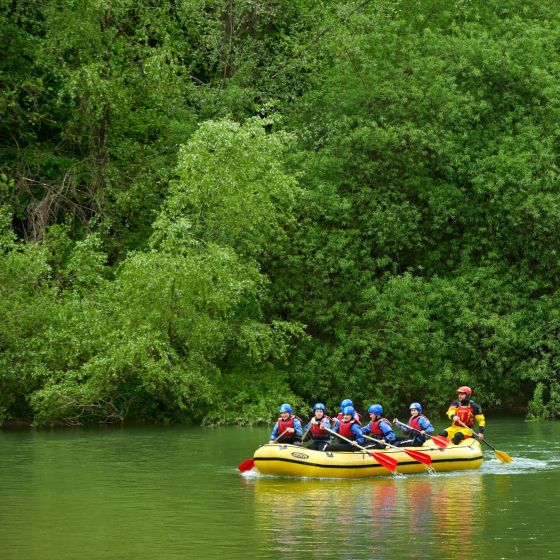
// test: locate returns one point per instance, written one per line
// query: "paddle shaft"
(278, 437)
(387, 444)
(349, 441)
(389, 463)
(248, 464)
(475, 435)
(419, 456)
(310, 424)
(437, 439)
(419, 432)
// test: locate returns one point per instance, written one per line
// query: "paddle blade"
(246, 465)
(388, 462)
(441, 441)
(419, 456)
(503, 457)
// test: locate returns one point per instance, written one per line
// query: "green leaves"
(209, 208)
(231, 191)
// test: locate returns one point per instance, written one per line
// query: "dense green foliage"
(208, 207)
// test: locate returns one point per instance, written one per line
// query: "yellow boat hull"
(292, 460)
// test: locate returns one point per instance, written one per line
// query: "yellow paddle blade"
(503, 456)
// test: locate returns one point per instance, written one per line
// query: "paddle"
(502, 455)
(306, 432)
(438, 440)
(248, 464)
(388, 462)
(416, 455)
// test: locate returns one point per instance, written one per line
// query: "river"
(162, 493)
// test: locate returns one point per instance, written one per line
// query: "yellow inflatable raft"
(292, 460)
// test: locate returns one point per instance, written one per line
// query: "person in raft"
(466, 411)
(316, 427)
(288, 427)
(349, 428)
(419, 427)
(379, 428)
(343, 405)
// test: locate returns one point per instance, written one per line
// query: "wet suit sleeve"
(452, 410)
(297, 428)
(357, 431)
(274, 433)
(426, 425)
(479, 417)
(388, 434)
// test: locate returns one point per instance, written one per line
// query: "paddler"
(419, 427)
(288, 427)
(466, 411)
(379, 428)
(349, 428)
(316, 427)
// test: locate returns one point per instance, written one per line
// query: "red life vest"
(375, 430)
(284, 425)
(414, 422)
(345, 429)
(316, 429)
(466, 415)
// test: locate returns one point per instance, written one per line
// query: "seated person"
(288, 427)
(316, 426)
(379, 428)
(464, 411)
(419, 427)
(349, 429)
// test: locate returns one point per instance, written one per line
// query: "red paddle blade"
(246, 465)
(419, 456)
(441, 441)
(388, 462)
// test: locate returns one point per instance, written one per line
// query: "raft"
(296, 461)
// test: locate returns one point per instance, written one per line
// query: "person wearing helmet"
(379, 427)
(419, 427)
(316, 426)
(349, 428)
(343, 405)
(288, 427)
(466, 411)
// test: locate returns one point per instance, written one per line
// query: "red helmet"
(465, 389)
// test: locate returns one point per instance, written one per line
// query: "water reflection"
(371, 518)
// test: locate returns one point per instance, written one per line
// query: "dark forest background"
(209, 207)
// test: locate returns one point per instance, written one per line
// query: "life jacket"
(466, 415)
(357, 418)
(317, 431)
(284, 425)
(345, 429)
(375, 430)
(414, 422)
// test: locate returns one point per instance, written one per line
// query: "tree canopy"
(209, 207)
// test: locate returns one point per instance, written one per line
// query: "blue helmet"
(345, 403)
(319, 406)
(285, 408)
(349, 410)
(417, 406)
(376, 409)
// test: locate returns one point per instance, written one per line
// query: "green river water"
(163, 493)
